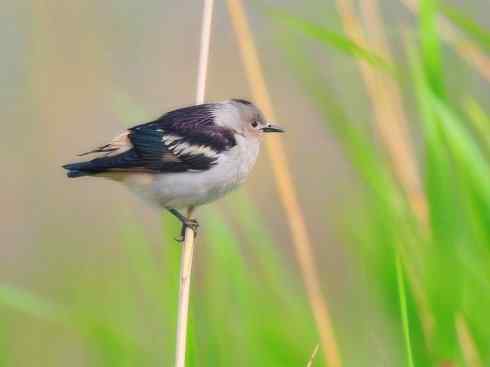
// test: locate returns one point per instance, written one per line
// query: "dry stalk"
(184, 292)
(188, 246)
(391, 126)
(470, 352)
(469, 52)
(286, 189)
(386, 101)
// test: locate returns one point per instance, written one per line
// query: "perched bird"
(186, 158)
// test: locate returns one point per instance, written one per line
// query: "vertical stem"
(390, 120)
(204, 53)
(184, 292)
(188, 246)
(286, 189)
(391, 125)
(404, 310)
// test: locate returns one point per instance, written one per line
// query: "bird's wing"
(118, 145)
(162, 151)
(182, 140)
(179, 141)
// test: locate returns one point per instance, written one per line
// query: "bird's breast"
(247, 152)
(234, 166)
(200, 187)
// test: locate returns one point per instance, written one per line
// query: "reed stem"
(184, 293)
(188, 246)
(286, 189)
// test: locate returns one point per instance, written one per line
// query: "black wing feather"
(182, 140)
(195, 124)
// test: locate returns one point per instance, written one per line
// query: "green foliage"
(330, 38)
(452, 253)
(236, 319)
(468, 26)
(404, 311)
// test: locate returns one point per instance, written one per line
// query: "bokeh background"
(388, 150)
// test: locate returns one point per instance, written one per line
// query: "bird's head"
(245, 118)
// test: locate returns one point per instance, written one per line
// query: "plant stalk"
(189, 236)
(286, 189)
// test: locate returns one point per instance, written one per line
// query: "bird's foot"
(188, 223)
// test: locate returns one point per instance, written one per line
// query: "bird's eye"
(254, 124)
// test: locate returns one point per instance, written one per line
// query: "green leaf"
(480, 121)
(471, 28)
(431, 47)
(26, 302)
(333, 39)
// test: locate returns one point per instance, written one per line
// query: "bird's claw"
(192, 224)
(188, 223)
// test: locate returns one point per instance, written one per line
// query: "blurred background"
(388, 142)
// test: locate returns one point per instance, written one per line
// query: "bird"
(186, 158)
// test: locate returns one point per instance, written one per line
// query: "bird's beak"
(271, 128)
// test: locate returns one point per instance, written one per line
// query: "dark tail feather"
(74, 174)
(78, 169)
(126, 160)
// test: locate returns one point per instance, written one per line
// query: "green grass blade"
(26, 302)
(431, 47)
(463, 147)
(332, 39)
(354, 137)
(111, 344)
(480, 121)
(404, 311)
(470, 27)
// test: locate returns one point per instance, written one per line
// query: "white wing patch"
(188, 149)
(183, 148)
(169, 139)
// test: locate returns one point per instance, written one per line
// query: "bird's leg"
(186, 222)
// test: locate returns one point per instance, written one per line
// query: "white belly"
(179, 190)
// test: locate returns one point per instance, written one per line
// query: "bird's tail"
(119, 162)
(78, 169)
